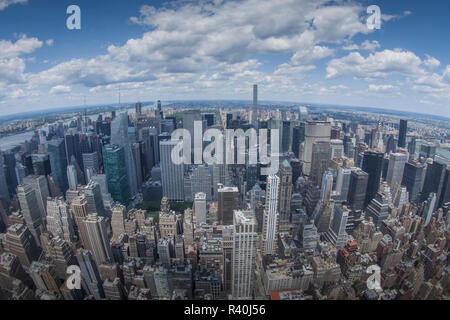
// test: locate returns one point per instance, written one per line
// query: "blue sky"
(296, 50)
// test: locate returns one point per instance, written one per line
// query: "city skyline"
(317, 53)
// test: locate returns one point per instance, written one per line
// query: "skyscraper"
(30, 210)
(395, 170)
(59, 221)
(285, 195)
(172, 174)
(228, 202)
(412, 179)
(357, 189)
(72, 177)
(315, 131)
(200, 207)
(271, 216)
(21, 243)
(119, 136)
(320, 161)
(343, 182)
(98, 238)
(57, 151)
(372, 165)
(403, 129)
(244, 254)
(94, 199)
(255, 107)
(40, 186)
(89, 274)
(336, 233)
(116, 173)
(434, 180)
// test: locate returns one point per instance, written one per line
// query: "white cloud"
(381, 88)
(376, 65)
(23, 45)
(6, 3)
(49, 42)
(60, 89)
(431, 62)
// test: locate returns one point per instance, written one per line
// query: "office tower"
(72, 177)
(90, 163)
(30, 210)
(164, 249)
(119, 137)
(89, 274)
(136, 150)
(390, 144)
(191, 118)
(412, 179)
(403, 129)
(271, 216)
(412, 145)
(286, 136)
(80, 212)
(255, 107)
(40, 186)
(337, 234)
(172, 174)
(4, 192)
(427, 151)
(41, 164)
(57, 151)
(343, 183)
(62, 255)
(357, 189)
(103, 183)
(244, 254)
(94, 198)
(434, 180)
(227, 250)
(320, 161)
(430, 204)
(445, 192)
(200, 207)
(116, 173)
(327, 186)
(98, 238)
(310, 237)
(372, 165)
(201, 181)
(285, 195)
(378, 209)
(315, 131)
(218, 177)
(119, 214)
(44, 276)
(395, 170)
(138, 108)
(59, 221)
(298, 137)
(9, 165)
(20, 242)
(228, 200)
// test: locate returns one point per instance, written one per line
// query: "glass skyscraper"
(116, 173)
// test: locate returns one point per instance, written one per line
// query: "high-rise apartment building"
(285, 195)
(271, 216)
(59, 221)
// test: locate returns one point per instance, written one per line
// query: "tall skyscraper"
(172, 174)
(395, 170)
(89, 274)
(119, 136)
(343, 182)
(40, 186)
(59, 221)
(337, 234)
(271, 216)
(403, 129)
(98, 238)
(373, 166)
(320, 161)
(357, 189)
(200, 207)
(434, 180)
(57, 151)
(94, 199)
(255, 107)
(315, 131)
(228, 202)
(116, 173)
(72, 177)
(4, 192)
(244, 254)
(80, 212)
(285, 195)
(412, 179)
(30, 210)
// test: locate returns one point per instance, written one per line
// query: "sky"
(315, 51)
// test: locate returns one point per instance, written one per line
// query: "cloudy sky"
(315, 51)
